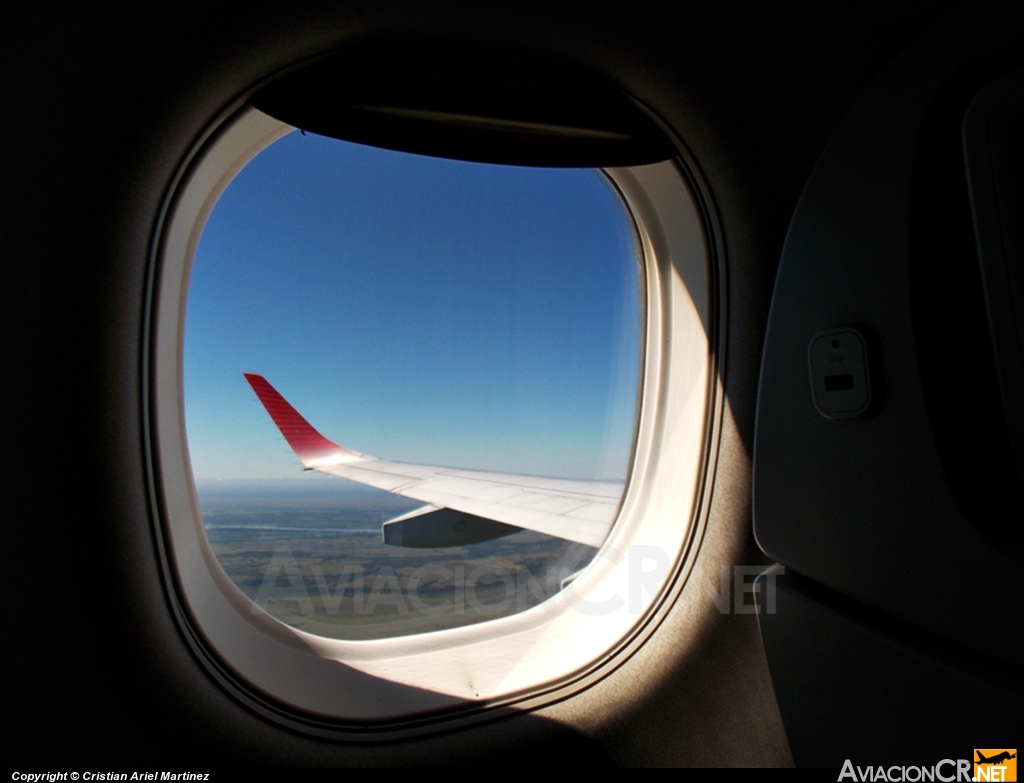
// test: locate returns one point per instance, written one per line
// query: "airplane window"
(461, 342)
(501, 381)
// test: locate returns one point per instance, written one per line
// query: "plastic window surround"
(328, 686)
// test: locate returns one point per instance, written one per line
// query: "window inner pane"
(426, 312)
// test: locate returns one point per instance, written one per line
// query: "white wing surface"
(581, 511)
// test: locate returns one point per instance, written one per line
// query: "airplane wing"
(462, 506)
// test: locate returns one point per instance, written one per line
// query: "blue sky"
(416, 309)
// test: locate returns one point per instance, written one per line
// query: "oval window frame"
(409, 684)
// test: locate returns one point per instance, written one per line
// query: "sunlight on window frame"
(327, 685)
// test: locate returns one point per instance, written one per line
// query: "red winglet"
(304, 440)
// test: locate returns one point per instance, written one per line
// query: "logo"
(995, 764)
